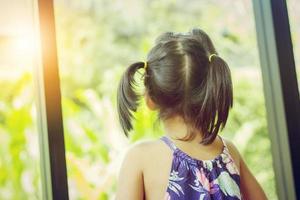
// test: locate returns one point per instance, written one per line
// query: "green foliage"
(19, 161)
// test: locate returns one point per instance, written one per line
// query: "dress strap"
(223, 141)
(168, 142)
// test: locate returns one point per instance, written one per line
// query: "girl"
(190, 86)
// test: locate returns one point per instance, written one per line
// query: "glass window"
(294, 18)
(96, 42)
(19, 147)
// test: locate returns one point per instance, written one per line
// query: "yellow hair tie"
(211, 55)
(145, 65)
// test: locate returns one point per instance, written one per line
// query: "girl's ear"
(150, 104)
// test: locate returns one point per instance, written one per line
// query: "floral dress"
(193, 179)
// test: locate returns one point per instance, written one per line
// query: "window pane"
(97, 40)
(19, 150)
(294, 17)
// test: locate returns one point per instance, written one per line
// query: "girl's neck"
(175, 128)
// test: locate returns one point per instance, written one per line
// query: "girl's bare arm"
(250, 188)
(130, 182)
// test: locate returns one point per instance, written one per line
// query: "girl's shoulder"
(145, 149)
(146, 145)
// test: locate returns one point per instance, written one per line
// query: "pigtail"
(127, 98)
(217, 99)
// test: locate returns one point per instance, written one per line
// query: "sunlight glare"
(24, 45)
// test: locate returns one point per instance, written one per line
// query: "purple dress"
(193, 179)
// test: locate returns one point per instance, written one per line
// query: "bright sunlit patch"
(24, 45)
(18, 51)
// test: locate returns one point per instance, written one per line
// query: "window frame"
(281, 93)
(49, 108)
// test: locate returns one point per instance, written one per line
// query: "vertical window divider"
(281, 93)
(49, 108)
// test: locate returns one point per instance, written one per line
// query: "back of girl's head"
(184, 76)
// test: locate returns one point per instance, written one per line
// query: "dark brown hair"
(181, 80)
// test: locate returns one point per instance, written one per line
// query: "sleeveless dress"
(194, 179)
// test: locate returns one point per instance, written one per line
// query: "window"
(19, 143)
(294, 17)
(96, 42)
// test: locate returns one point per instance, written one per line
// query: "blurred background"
(97, 40)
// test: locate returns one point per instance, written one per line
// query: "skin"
(146, 166)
